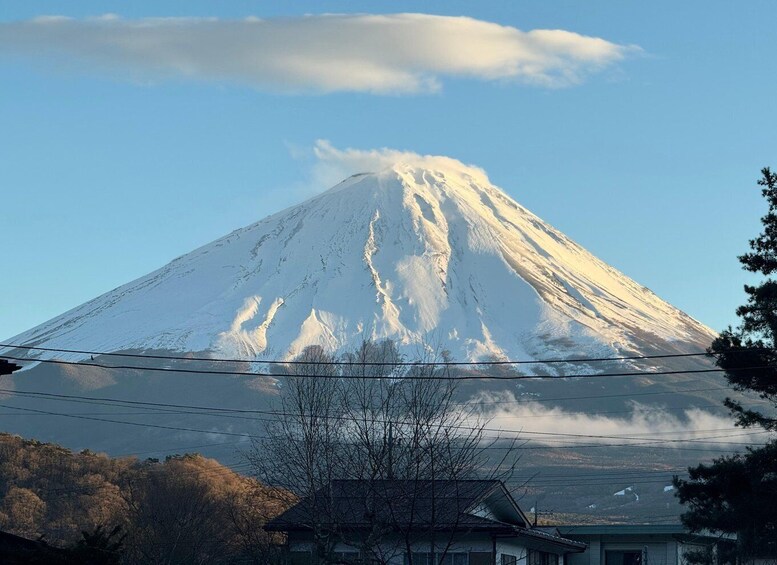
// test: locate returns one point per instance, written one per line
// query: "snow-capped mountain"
(426, 252)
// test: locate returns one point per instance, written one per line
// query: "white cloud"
(325, 165)
(382, 54)
(332, 165)
(647, 423)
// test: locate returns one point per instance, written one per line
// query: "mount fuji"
(424, 251)
(419, 252)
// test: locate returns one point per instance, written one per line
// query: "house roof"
(449, 505)
(15, 549)
(354, 503)
(634, 530)
(8, 540)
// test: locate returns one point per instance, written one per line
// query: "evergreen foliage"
(738, 494)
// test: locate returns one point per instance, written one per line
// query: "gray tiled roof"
(352, 505)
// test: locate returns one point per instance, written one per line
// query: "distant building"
(394, 521)
(630, 544)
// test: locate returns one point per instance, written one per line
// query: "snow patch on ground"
(628, 490)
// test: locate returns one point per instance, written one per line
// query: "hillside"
(216, 514)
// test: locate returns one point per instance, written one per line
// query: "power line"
(227, 412)
(545, 479)
(635, 442)
(169, 450)
(366, 363)
(218, 409)
(96, 399)
(570, 483)
(620, 473)
(224, 413)
(523, 400)
(403, 377)
(141, 424)
(635, 476)
(164, 412)
(645, 445)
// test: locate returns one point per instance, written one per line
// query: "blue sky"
(649, 159)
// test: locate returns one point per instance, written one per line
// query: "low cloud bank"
(379, 54)
(557, 426)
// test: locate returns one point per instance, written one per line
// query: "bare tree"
(396, 430)
(172, 519)
(301, 452)
(441, 443)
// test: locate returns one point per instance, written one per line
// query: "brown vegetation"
(185, 509)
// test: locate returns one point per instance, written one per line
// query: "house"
(16, 550)
(473, 522)
(620, 544)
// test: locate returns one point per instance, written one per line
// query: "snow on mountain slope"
(417, 252)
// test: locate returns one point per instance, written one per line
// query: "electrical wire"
(367, 363)
(414, 377)
(227, 412)
(635, 442)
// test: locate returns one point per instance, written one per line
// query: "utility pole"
(391, 451)
(537, 513)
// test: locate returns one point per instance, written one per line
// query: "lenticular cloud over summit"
(412, 248)
(333, 164)
(376, 53)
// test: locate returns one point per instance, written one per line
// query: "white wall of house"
(683, 549)
(511, 547)
(659, 550)
(393, 548)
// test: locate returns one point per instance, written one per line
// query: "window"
(544, 558)
(508, 559)
(299, 558)
(623, 557)
(426, 558)
(336, 558)
(480, 558)
(345, 557)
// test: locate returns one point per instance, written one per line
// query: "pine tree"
(738, 494)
